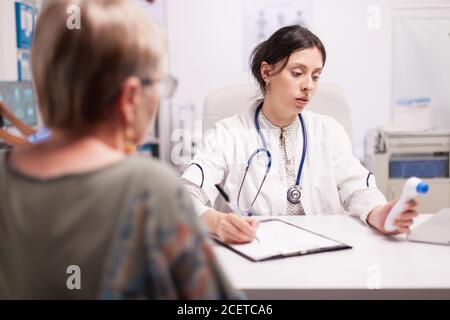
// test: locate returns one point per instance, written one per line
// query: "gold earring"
(130, 141)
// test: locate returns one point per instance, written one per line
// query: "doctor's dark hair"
(280, 46)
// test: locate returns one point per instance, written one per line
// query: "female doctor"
(276, 158)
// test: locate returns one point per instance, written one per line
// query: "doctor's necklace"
(294, 193)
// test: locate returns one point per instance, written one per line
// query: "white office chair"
(228, 101)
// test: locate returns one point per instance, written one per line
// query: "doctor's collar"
(294, 125)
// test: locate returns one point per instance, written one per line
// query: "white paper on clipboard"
(278, 239)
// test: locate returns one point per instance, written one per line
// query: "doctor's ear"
(129, 99)
(266, 72)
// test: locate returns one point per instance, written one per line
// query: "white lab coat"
(331, 174)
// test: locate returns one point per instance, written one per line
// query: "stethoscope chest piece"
(294, 194)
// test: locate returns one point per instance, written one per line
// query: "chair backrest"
(225, 102)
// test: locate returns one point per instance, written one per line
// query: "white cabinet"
(419, 153)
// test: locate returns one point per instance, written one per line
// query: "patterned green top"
(127, 231)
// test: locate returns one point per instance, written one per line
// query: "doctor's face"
(291, 89)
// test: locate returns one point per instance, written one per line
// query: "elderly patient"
(79, 218)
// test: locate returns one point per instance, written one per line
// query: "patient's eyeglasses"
(165, 86)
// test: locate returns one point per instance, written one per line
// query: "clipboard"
(277, 239)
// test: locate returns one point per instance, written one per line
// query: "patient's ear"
(129, 99)
(266, 71)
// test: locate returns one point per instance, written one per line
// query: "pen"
(233, 207)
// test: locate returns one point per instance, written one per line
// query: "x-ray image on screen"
(19, 97)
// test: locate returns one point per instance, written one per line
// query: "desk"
(377, 267)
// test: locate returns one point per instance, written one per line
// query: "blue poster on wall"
(25, 19)
(23, 65)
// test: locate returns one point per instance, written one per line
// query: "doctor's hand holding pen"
(233, 227)
(230, 227)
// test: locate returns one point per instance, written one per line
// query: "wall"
(8, 52)
(206, 53)
(8, 42)
(206, 45)
(359, 60)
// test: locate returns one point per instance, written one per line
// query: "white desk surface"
(406, 269)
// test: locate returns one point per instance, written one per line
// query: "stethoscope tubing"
(269, 156)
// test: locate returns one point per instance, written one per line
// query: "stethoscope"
(294, 193)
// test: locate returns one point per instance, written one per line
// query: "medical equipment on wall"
(26, 15)
(414, 113)
(394, 156)
(186, 120)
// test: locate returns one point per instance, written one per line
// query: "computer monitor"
(19, 97)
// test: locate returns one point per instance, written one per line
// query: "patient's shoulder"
(150, 170)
